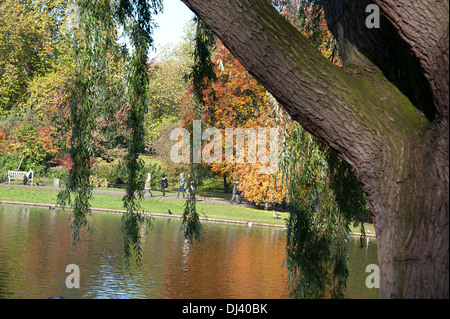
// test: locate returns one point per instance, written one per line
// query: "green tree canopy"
(30, 44)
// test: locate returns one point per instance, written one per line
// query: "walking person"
(235, 193)
(148, 184)
(181, 186)
(164, 185)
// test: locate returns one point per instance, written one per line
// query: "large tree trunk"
(385, 112)
(412, 52)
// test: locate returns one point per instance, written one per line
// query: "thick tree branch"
(345, 109)
(424, 25)
(383, 47)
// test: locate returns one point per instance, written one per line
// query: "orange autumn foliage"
(236, 100)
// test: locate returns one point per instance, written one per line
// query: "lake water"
(230, 261)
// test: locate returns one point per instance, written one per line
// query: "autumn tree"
(235, 100)
(35, 55)
(30, 43)
(385, 112)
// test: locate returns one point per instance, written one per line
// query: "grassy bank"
(155, 205)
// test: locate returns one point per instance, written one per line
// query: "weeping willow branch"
(92, 40)
(137, 20)
(133, 218)
(202, 73)
(201, 76)
(324, 199)
(191, 226)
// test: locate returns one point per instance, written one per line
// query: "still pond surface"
(230, 261)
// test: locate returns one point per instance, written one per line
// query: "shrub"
(106, 171)
(96, 181)
(9, 162)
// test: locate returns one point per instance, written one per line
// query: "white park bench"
(17, 175)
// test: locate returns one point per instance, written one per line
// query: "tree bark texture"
(385, 112)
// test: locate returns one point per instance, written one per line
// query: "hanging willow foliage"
(97, 25)
(201, 76)
(136, 18)
(324, 199)
(202, 73)
(91, 41)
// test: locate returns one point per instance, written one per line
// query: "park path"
(156, 194)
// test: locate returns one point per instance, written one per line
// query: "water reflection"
(228, 262)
